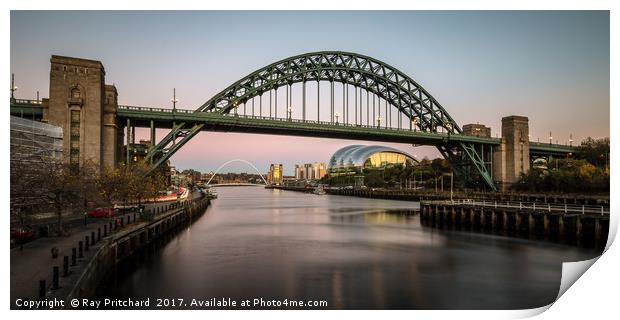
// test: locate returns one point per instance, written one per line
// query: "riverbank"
(417, 195)
(84, 259)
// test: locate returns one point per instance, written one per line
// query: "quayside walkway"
(34, 269)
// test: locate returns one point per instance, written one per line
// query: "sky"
(551, 66)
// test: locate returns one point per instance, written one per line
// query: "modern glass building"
(356, 158)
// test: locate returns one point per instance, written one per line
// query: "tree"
(595, 151)
(63, 186)
(111, 184)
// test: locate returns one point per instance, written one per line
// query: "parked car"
(21, 234)
(102, 213)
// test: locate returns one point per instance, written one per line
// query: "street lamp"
(290, 110)
(570, 140)
(378, 122)
(13, 86)
(415, 123)
(451, 184)
(337, 115)
(174, 99)
(550, 138)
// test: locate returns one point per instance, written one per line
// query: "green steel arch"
(365, 72)
(374, 76)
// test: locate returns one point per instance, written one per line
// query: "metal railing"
(545, 207)
(330, 123)
(291, 120)
(25, 101)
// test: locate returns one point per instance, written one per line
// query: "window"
(75, 93)
(74, 146)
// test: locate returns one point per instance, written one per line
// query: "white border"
(591, 296)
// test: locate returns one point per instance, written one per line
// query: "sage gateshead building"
(354, 159)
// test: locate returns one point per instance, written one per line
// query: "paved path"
(34, 262)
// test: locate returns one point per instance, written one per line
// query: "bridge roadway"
(165, 118)
(161, 117)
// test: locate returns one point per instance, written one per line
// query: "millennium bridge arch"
(391, 90)
(237, 160)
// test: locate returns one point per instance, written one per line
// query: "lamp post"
(174, 99)
(415, 123)
(290, 111)
(451, 184)
(570, 140)
(13, 86)
(378, 122)
(337, 115)
(550, 138)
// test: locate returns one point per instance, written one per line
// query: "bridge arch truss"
(411, 101)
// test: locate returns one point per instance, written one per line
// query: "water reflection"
(353, 252)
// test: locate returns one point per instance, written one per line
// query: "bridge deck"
(164, 118)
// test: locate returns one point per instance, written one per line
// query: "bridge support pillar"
(127, 146)
(152, 133)
(512, 157)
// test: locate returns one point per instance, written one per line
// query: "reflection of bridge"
(372, 101)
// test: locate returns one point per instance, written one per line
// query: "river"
(354, 253)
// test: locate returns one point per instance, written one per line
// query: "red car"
(22, 234)
(101, 213)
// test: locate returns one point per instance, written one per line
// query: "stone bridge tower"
(85, 107)
(512, 157)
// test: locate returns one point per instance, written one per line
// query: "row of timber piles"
(588, 230)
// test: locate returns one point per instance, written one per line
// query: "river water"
(354, 253)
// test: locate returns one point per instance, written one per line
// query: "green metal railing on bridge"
(141, 116)
(27, 108)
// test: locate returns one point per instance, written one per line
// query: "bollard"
(42, 289)
(73, 256)
(65, 266)
(80, 249)
(98, 234)
(92, 238)
(105, 230)
(55, 278)
(86, 243)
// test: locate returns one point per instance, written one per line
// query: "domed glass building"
(355, 158)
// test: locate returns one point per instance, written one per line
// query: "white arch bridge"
(236, 184)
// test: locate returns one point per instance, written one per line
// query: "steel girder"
(468, 163)
(372, 75)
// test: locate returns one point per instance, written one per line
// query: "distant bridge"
(235, 184)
